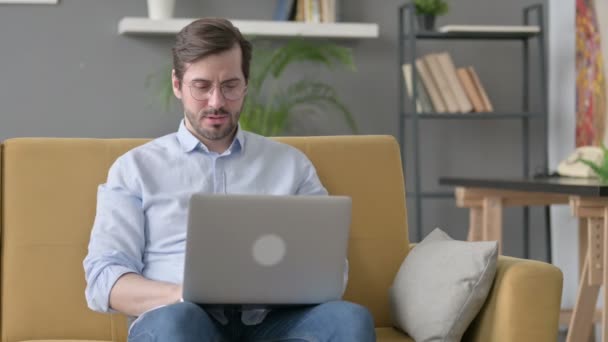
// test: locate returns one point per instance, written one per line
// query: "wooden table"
(588, 199)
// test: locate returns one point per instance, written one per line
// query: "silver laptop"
(262, 249)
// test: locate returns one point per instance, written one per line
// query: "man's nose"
(216, 98)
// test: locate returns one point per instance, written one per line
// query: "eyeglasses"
(231, 90)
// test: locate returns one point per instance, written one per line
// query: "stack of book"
(443, 88)
(310, 11)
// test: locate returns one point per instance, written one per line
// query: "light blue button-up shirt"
(140, 225)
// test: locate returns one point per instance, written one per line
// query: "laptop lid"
(262, 249)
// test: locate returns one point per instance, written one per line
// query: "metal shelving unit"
(408, 37)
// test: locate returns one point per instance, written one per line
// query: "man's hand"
(133, 294)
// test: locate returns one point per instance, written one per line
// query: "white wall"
(562, 69)
(601, 8)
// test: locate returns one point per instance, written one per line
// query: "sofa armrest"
(523, 304)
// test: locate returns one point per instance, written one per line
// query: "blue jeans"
(332, 321)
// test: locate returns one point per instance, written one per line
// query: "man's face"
(211, 94)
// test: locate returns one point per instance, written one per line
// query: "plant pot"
(160, 9)
(426, 22)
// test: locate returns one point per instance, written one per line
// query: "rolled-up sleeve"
(117, 239)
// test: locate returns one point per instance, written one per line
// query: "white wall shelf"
(145, 26)
(34, 2)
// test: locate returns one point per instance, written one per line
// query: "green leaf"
(433, 7)
(268, 108)
(600, 170)
(605, 159)
(160, 84)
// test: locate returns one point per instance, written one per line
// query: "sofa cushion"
(441, 287)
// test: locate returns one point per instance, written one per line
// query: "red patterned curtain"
(590, 79)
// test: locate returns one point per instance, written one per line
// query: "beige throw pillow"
(441, 286)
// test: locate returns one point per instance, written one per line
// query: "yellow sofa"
(48, 194)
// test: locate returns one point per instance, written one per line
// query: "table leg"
(605, 276)
(492, 220)
(595, 250)
(582, 244)
(475, 224)
(582, 316)
(591, 253)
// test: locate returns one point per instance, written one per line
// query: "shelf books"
(471, 89)
(423, 103)
(443, 88)
(429, 84)
(480, 90)
(449, 71)
(310, 11)
(440, 79)
(285, 10)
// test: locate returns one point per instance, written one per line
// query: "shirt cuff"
(111, 275)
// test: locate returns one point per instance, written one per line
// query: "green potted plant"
(270, 104)
(428, 10)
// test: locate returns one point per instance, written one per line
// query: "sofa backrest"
(48, 200)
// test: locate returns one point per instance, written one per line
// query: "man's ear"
(176, 84)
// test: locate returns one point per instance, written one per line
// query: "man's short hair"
(208, 36)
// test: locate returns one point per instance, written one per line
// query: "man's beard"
(212, 134)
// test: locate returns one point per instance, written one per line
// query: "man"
(136, 253)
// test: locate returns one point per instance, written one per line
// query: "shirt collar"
(186, 139)
(189, 142)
